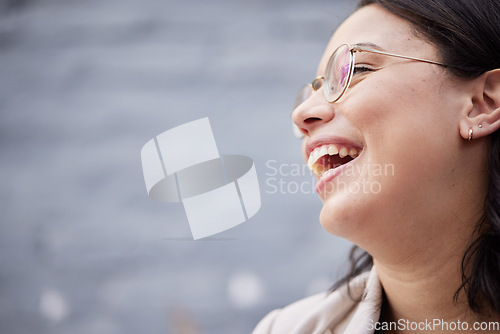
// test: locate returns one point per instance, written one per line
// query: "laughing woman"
(413, 85)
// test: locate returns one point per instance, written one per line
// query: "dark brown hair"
(467, 36)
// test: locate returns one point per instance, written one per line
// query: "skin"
(415, 117)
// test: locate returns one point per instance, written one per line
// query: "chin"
(355, 217)
(340, 216)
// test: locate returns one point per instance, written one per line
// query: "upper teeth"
(330, 149)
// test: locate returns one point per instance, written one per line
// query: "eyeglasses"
(338, 75)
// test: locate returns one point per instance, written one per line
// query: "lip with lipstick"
(328, 160)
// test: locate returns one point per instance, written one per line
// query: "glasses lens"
(337, 73)
(304, 93)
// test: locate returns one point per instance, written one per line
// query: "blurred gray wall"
(83, 86)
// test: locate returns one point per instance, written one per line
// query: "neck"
(422, 293)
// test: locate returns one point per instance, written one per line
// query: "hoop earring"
(470, 134)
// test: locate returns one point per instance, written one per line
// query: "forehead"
(374, 24)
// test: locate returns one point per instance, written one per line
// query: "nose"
(312, 113)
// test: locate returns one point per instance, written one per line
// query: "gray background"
(83, 86)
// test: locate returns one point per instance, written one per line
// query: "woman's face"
(402, 117)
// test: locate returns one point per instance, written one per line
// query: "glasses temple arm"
(399, 56)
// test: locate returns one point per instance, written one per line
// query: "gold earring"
(470, 134)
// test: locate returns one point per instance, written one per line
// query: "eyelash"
(361, 69)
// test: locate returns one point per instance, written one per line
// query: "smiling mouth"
(330, 156)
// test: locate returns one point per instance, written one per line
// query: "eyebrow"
(369, 45)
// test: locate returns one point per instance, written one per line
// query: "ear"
(484, 116)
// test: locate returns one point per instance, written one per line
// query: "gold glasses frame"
(306, 91)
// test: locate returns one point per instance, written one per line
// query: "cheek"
(407, 113)
(414, 129)
(410, 134)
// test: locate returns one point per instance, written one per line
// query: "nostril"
(311, 120)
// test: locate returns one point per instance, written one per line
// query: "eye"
(361, 69)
